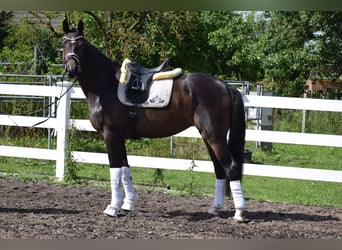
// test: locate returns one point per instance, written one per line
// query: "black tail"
(237, 131)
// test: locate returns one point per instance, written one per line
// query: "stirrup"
(111, 211)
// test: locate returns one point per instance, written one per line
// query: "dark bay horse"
(197, 99)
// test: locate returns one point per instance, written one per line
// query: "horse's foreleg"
(120, 176)
(127, 183)
(116, 189)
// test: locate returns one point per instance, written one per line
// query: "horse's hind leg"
(234, 172)
(219, 183)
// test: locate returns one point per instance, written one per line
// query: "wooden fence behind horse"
(63, 122)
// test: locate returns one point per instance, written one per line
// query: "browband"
(72, 38)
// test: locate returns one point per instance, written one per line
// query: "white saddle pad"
(160, 95)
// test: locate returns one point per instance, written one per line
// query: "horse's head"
(73, 48)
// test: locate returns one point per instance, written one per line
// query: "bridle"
(72, 55)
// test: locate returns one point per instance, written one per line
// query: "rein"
(55, 102)
(67, 57)
(45, 106)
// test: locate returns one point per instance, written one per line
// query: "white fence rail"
(63, 122)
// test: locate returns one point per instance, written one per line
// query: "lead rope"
(56, 101)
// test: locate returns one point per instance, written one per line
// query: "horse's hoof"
(238, 216)
(213, 211)
(240, 219)
(128, 207)
(111, 211)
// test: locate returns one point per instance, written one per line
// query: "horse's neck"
(97, 74)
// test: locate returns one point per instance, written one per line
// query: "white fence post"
(63, 120)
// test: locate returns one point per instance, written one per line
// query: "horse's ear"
(80, 27)
(66, 28)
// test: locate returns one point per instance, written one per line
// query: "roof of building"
(56, 17)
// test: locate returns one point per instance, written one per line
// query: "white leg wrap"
(236, 189)
(116, 185)
(219, 193)
(239, 200)
(127, 183)
(218, 198)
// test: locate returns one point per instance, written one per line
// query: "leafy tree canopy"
(279, 48)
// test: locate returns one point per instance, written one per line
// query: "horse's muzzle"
(72, 65)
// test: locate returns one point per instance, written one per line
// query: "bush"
(317, 122)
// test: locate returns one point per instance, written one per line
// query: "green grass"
(293, 191)
(301, 156)
(195, 183)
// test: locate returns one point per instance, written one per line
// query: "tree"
(286, 63)
(281, 48)
(47, 39)
(147, 37)
(234, 37)
(299, 45)
(34, 30)
(5, 18)
(327, 44)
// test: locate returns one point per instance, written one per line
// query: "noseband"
(72, 55)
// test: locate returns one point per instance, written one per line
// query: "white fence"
(63, 122)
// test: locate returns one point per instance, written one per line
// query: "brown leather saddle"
(140, 79)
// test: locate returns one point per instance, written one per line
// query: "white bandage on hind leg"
(219, 193)
(127, 183)
(236, 189)
(218, 198)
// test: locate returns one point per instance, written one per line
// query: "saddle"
(138, 79)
